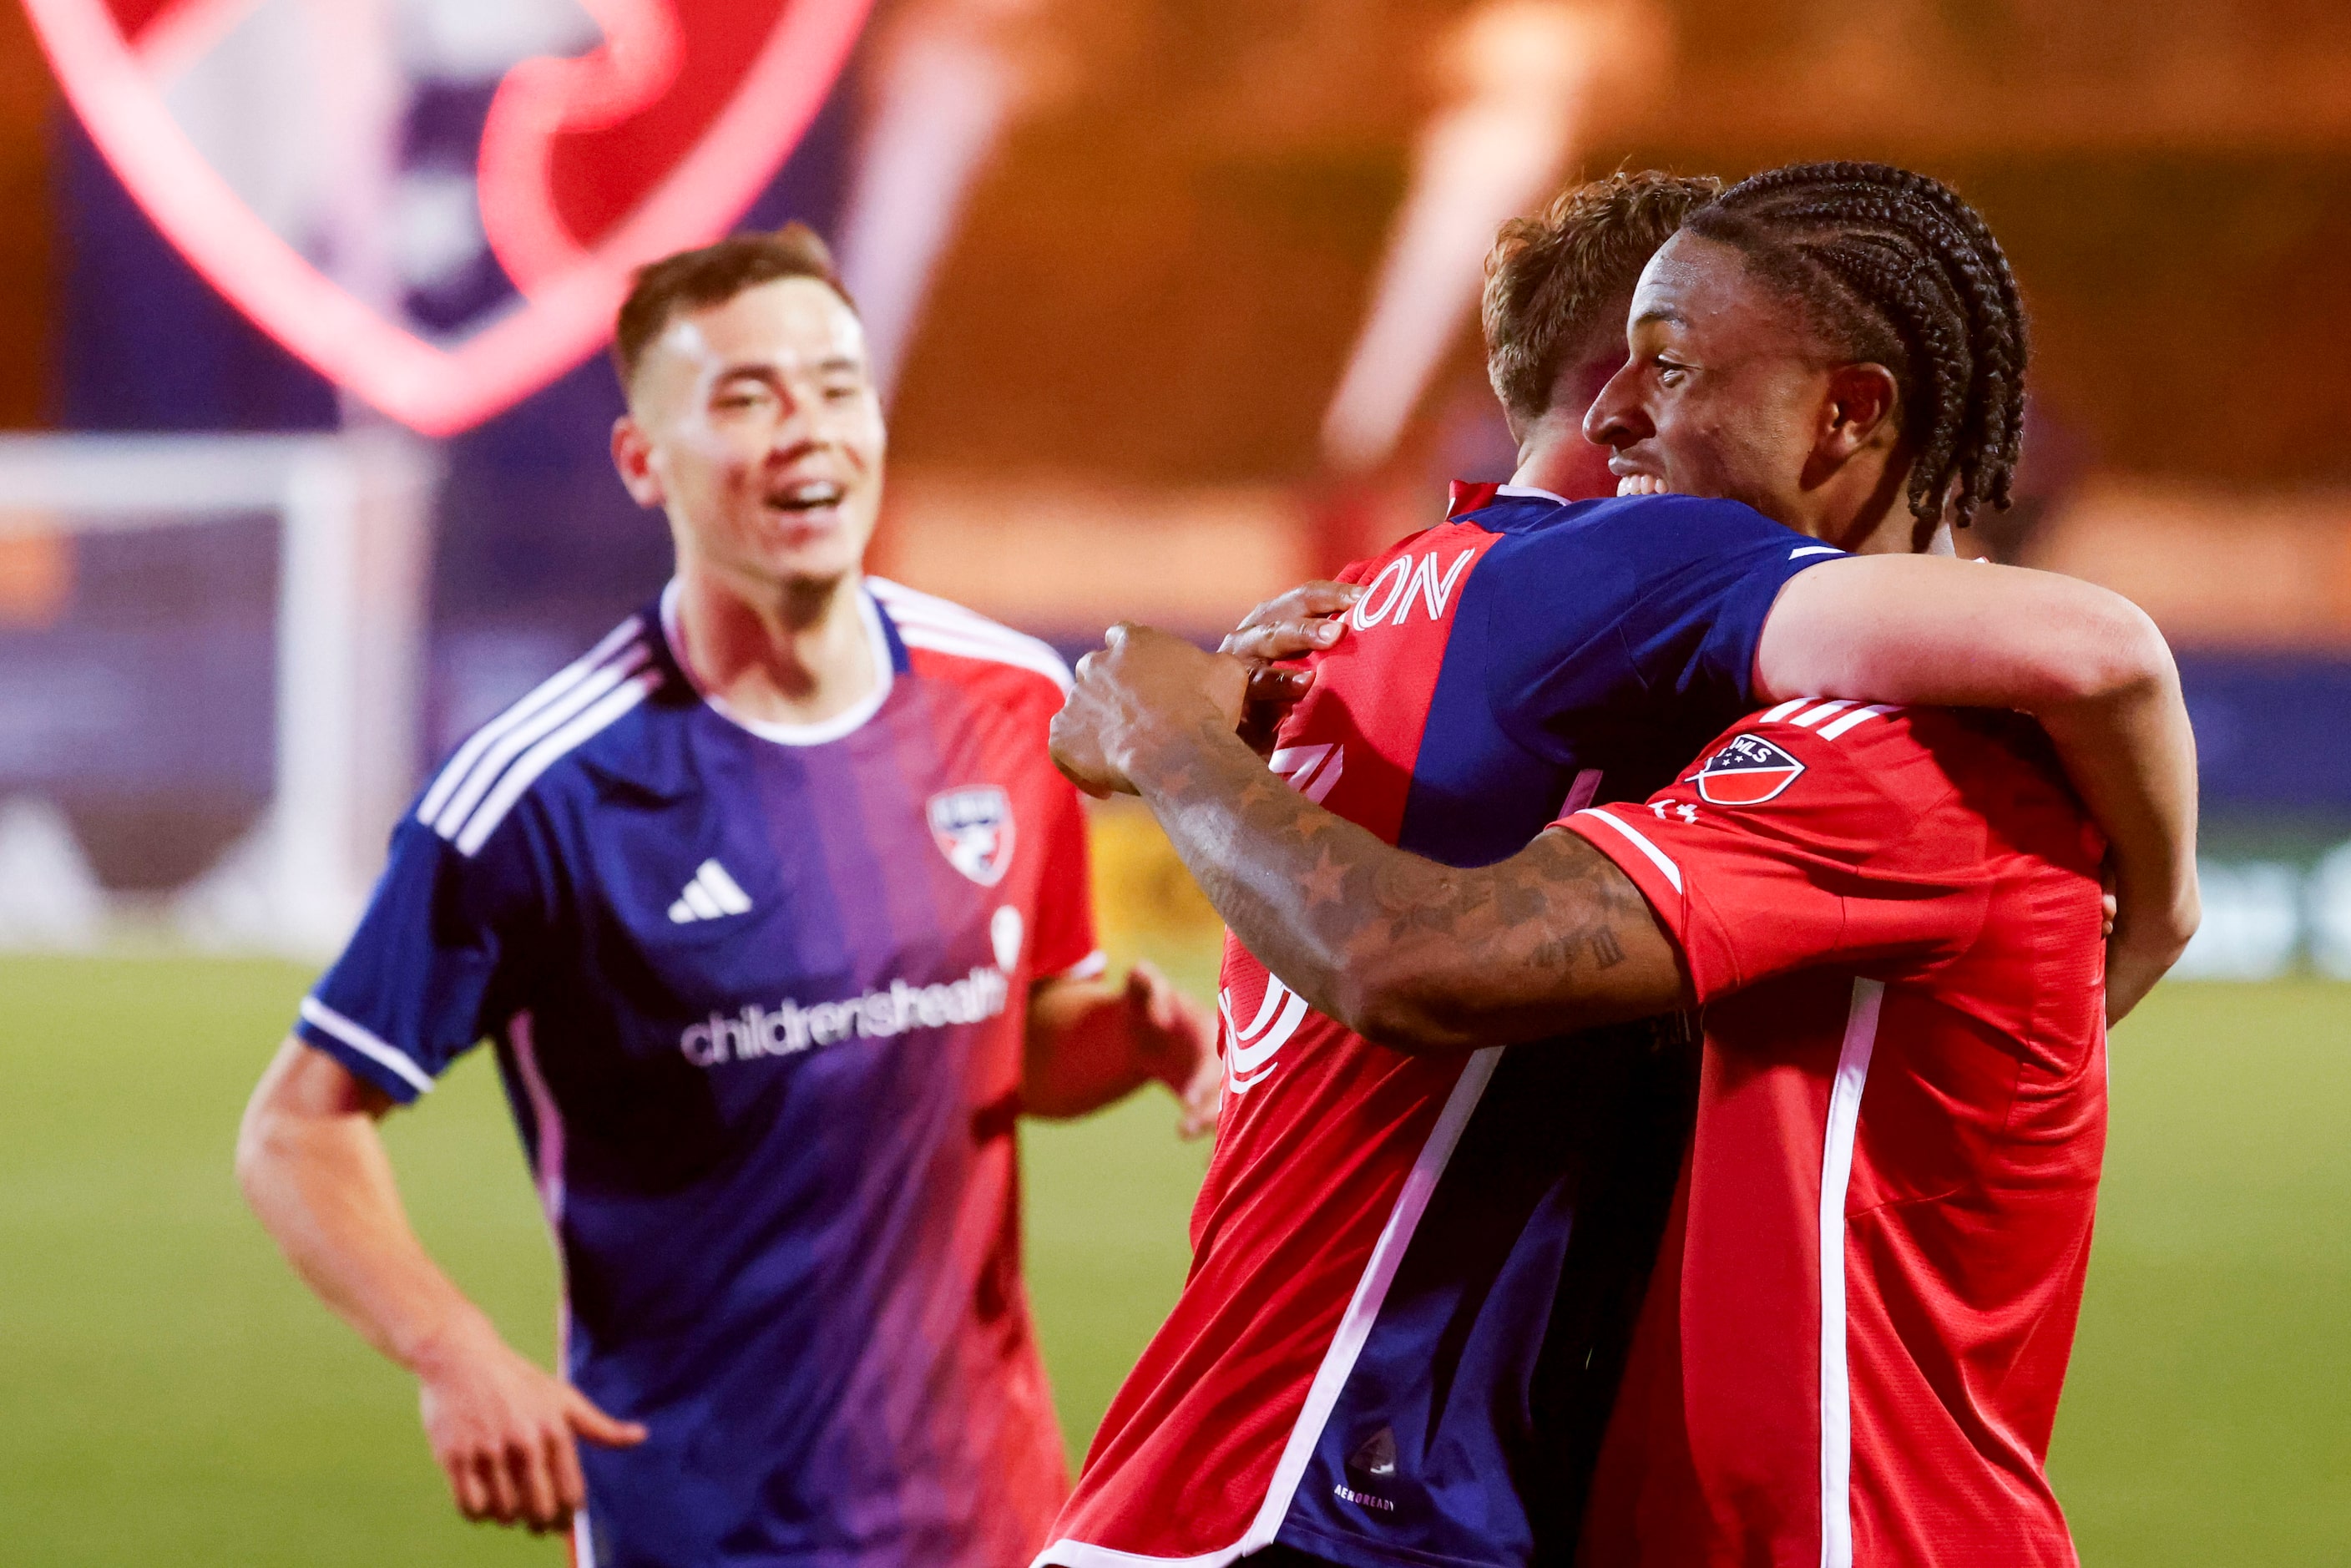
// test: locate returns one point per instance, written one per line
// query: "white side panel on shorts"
(1339, 1361)
(1370, 1293)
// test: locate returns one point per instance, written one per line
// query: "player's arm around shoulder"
(1758, 860)
(1555, 938)
(2086, 662)
(1399, 948)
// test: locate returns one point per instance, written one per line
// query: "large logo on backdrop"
(277, 146)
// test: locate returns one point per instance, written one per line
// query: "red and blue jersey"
(1412, 1277)
(758, 995)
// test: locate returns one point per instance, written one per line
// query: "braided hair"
(1897, 270)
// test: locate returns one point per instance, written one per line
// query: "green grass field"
(168, 1393)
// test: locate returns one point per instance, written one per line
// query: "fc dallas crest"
(1747, 771)
(973, 828)
(650, 136)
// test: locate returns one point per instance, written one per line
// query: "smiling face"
(755, 424)
(1725, 390)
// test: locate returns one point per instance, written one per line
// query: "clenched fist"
(1141, 687)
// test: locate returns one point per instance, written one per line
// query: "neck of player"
(1864, 506)
(789, 652)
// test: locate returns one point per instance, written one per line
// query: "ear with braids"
(1899, 271)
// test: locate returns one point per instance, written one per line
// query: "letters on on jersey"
(788, 1027)
(973, 828)
(1407, 584)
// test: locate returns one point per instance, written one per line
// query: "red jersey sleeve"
(1014, 684)
(1066, 944)
(1809, 833)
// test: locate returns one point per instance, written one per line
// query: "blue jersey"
(1411, 1275)
(758, 994)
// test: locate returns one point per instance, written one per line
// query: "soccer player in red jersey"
(1854, 1343)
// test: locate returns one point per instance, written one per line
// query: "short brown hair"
(697, 279)
(1548, 277)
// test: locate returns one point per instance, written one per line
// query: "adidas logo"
(1372, 1462)
(1375, 1459)
(711, 895)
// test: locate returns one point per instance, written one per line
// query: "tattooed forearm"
(1397, 947)
(1562, 952)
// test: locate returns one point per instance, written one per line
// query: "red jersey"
(1851, 1348)
(1384, 1353)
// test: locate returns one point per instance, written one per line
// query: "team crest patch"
(1749, 771)
(973, 828)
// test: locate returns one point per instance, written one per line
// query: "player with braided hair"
(1896, 270)
(1886, 918)
(1842, 346)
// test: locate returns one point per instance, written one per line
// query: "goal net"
(209, 678)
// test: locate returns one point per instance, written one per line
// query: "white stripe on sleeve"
(1092, 967)
(462, 765)
(373, 1046)
(1640, 841)
(943, 626)
(546, 754)
(1040, 658)
(1838, 726)
(519, 740)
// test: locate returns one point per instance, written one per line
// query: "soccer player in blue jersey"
(777, 914)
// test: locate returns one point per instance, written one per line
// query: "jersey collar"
(888, 658)
(1472, 496)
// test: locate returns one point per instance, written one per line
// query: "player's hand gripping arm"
(312, 1166)
(1305, 620)
(1090, 1043)
(1400, 949)
(2087, 664)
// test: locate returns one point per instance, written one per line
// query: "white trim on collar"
(824, 732)
(1530, 493)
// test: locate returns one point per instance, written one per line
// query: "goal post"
(352, 513)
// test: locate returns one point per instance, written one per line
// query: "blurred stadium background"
(305, 477)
